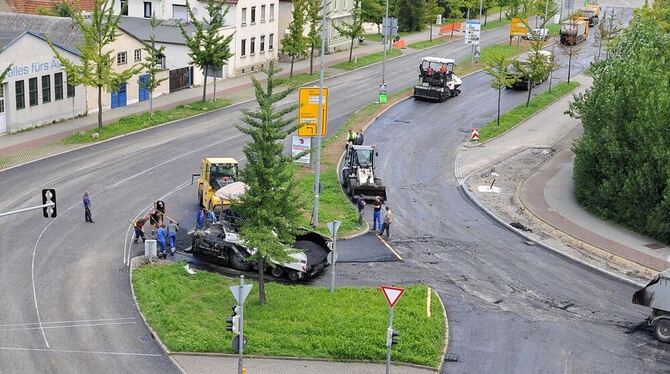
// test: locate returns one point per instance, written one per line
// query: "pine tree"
(354, 29)
(97, 59)
(208, 48)
(153, 63)
(314, 8)
(496, 67)
(270, 206)
(295, 43)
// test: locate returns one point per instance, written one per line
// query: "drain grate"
(654, 246)
(451, 358)
(146, 338)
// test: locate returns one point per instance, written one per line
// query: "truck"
(215, 173)
(574, 31)
(592, 13)
(358, 173)
(437, 80)
(656, 295)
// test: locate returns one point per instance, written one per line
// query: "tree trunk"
(500, 15)
(204, 87)
(530, 89)
(290, 74)
(214, 99)
(486, 16)
(311, 60)
(551, 77)
(99, 108)
(151, 102)
(351, 49)
(569, 64)
(499, 94)
(261, 281)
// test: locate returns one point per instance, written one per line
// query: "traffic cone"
(474, 135)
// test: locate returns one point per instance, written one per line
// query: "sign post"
(240, 294)
(392, 295)
(332, 256)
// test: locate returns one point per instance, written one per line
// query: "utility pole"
(319, 125)
(385, 34)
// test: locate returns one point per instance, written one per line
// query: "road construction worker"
(377, 214)
(359, 138)
(388, 218)
(161, 235)
(210, 217)
(351, 136)
(172, 227)
(139, 228)
(361, 205)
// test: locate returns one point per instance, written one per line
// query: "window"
(252, 46)
(46, 89)
(121, 58)
(20, 95)
(180, 12)
(58, 86)
(32, 91)
(262, 43)
(262, 13)
(70, 90)
(244, 16)
(253, 15)
(243, 48)
(138, 55)
(271, 39)
(124, 7)
(147, 9)
(272, 12)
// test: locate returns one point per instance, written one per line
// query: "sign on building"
(301, 144)
(472, 31)
(309, 111)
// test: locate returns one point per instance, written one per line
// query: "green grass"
(492, 24)
(301, 79)
(428, 43)
(374, 37)
(554, 29)
(521, 112)
(504, 49)
(140, 121)
(189, 312)
(367, 59)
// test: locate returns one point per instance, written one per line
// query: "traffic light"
(49, 196)
(233, 322)
(391, 337)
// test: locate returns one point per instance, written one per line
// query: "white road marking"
(74, 351)
(70, 321)
(69, 326)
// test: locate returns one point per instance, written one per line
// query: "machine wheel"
(662, 330)
(344, 178)
(238, 263)
(277, 272)
(293, 276)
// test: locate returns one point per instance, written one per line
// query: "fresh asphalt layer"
(513, 307)
(67, 305)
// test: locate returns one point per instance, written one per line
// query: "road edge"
(447, 330)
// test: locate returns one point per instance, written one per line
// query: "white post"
(317, 177)
(240, 340)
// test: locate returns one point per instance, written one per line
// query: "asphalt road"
(67, 303)
(512, 307)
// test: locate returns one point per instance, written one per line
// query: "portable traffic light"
(233, 322)
(391, 337)
(49, 196)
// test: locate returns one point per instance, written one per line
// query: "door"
(119, 96)
(144, 91)
(3, 115)
(179, 79)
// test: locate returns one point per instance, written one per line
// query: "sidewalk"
(548, 192)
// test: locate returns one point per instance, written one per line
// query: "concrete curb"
(446, 332)
(575, 260)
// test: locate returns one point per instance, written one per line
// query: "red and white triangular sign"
(392, 294)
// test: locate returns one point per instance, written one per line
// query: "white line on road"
(74, 351)
(70, 321)
(68, 326)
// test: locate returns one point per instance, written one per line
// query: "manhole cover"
(451, 358)
(146, 338)
(654, 246)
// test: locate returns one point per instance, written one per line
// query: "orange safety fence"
(455, 26)
(400, 43)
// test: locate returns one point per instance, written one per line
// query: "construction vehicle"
(574, 30)
(537, 34)
(219, 242)
(358, 175)
(521, 80)
(215, 173)
(437, 80)
(592, 13)
(656, 294)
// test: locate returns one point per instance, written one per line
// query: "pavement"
(548, 193)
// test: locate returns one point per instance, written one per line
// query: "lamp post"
(319, 125)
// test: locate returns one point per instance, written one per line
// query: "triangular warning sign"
(392, 294)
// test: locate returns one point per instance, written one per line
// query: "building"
(339, 11)
(35, 91)
(34, 6)
(253, 22)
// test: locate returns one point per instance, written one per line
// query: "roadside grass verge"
(429, 43)
(375, 37)
(301, 79)
(365, 60)
(189, 314)
(143, 120)
(521, 112)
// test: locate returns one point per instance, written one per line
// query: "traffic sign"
(236, 292)
(236, 343)
(472, 31)
(308, 111)
(333, 227)
(392, 294)
(332, 257)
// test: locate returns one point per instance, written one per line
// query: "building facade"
(35, 91)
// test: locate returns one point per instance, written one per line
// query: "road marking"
(75, 351)
(70, 321)
(389, 247)
(68, 326)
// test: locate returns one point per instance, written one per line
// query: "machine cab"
(434, 70)
(220, 171)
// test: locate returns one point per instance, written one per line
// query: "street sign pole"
(317, 162)
(388, 344)
(333, 227)
(240, 364)
(385, 35)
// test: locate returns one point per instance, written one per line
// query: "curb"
(447, 331)
(575, 260)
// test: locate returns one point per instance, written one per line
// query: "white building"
(35, 91)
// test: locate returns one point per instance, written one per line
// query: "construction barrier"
(450, 27)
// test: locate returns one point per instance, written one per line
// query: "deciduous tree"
(354, 29)
(314, 8)
(153, 63)
(496, 68)
(295, 43)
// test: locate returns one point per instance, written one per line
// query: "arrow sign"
(236, 292)
(392, 294)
